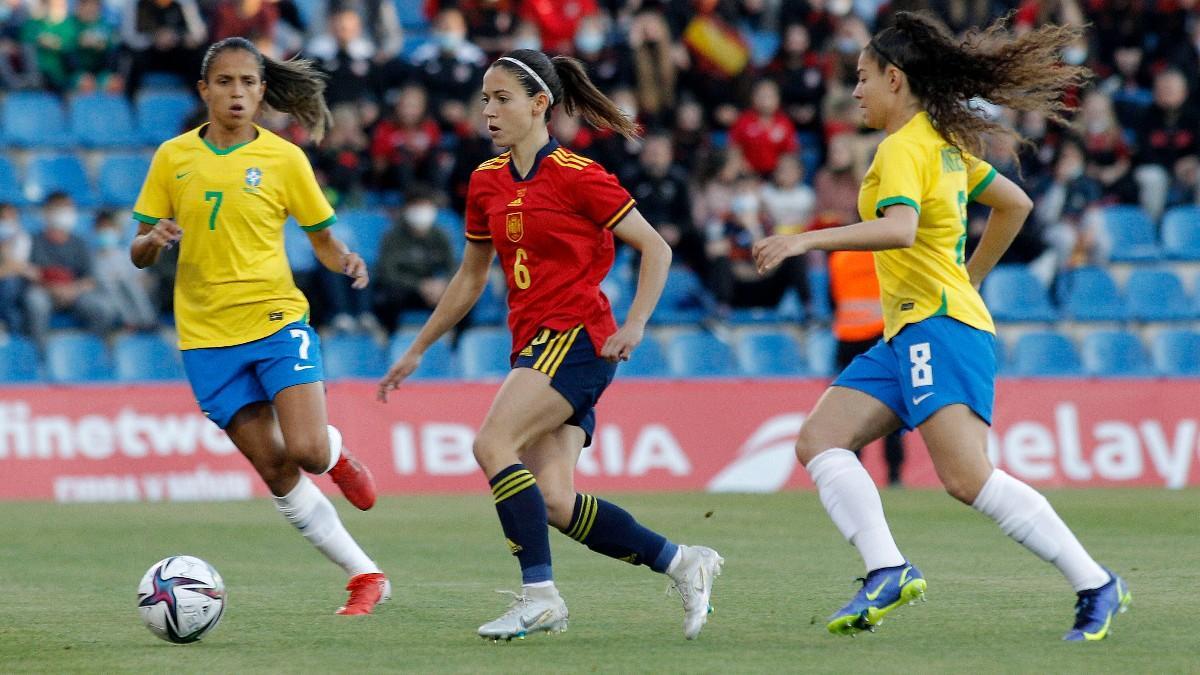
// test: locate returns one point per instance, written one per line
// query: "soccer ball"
(181, 598)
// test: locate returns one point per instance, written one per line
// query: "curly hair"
(948, 75)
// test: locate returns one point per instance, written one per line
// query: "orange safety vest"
(857, 314)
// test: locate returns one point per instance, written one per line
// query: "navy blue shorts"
(927, 366)
(575, 371)
(227, 379)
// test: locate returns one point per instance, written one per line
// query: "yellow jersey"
(234, 284)
(917, 167)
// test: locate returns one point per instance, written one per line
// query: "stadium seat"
(1090, 294)
(492, 307)
(1157, 295)
(1176, 353)
(162, 115)
(647, 360)
(699, 354)
(53, 172)
(763, 46)
(77, 357)
(684, 299)
(768, 353)
(436, 364)
(1112, 353)
(102, 120)
(10, 188)
(1132, 234)
(146, 356)
(483, 353)
(818, 289)
(411, 15)
(299, 250)
(34, 119)
(366, 229)
(120, 179)
(821, 349)
(353, 355)
(1044, 353)
(18, 360)
(449, 222)
(1181, 233)
(1012, 293)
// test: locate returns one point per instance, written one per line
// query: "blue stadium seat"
(1176, 352)
(1090, 294)
(411, 15)
(1012, 293)
(352, 356)
(102, 120)
(10, 188)
(492, 307)
(366, 229)
(1114, 353)
(120, 179)
(146, 356)
(77, 357)
(34, 119)
(699, 354)
(161, 115)
(483, 353)
(54, 172)
(449, 222)
(299, 250)
(763, 45)
(684, 299)
(1181, 233)
(1044, 353)
(766, 353)
(818, 289)
(647, 360)
(18, 360)
(436, 364)
(820, 347)
(1157, 295)
(1132, 233)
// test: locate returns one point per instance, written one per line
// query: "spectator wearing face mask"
(65, 278)
(124, 284)
(450, 67)
(15, 270)
(415, 261)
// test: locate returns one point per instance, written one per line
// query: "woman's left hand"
(769, 252)
(620, 344)
(355, 267)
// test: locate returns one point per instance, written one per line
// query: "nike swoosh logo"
(1099, 635)
(181, 175)
(525, 623)
(904, 576)
(917, 399)
(299, 367)
(878, 590)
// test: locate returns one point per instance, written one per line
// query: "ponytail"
(295, 87)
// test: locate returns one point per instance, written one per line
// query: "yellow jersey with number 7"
(233, 284)
(917, 167)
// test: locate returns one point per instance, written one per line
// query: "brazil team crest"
(254, 176)
(514, 226)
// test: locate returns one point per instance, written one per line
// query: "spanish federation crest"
(514, 226)
(253, 176)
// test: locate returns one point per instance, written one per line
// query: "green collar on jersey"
(230, 149)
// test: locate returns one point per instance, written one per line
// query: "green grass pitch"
(69, 576)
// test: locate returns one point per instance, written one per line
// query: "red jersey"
(553, 231)
(763, 143)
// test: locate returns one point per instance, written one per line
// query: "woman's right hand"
(401, 369)
(165, 233)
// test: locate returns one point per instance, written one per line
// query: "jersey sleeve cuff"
(616, 218)
(143, 218)
(978, 190)
(478, 237)
(321, 225)
(892, 201)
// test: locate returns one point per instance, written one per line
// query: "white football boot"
(693, 574)
(535, 609)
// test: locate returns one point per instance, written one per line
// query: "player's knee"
(964, 489)
(810, 443)
(311, 452)
(489, 449)
(278, 473)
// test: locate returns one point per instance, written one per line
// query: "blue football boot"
(883, 590)
(1095, 609)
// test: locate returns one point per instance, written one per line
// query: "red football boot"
(354, 480)
(366, 591)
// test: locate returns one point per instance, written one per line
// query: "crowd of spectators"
(750, 126)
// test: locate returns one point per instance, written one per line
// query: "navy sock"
(522, 512)
(610, 530)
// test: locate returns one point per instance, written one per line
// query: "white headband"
(532, 74)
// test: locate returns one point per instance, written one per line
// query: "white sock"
(852, 500)
(313, 514)
(674, 564)
(1025, 515)
(335, 447)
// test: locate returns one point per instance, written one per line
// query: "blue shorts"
(227, 379)
(575, 371)
(927, 366)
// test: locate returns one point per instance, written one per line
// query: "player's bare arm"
(338, 258)
(152, 239)
(635, 231)
(1010, 207)
(896, 229)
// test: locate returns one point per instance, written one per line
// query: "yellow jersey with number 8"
(233, 284)
(917, 167)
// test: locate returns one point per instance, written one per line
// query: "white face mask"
(61, 219)
(420, 218)
(744, 203)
